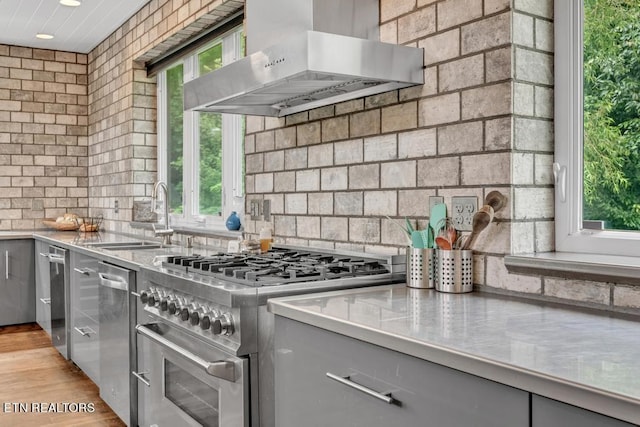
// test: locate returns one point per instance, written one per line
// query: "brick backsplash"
(481, 122)
(43, 136)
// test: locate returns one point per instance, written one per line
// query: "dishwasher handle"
(113, 282)
(223, 369)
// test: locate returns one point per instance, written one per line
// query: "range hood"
(304, 54)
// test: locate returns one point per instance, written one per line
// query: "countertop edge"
(597, 400)
(14, 235)
(101, 255)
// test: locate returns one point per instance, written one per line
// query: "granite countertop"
(582, 357)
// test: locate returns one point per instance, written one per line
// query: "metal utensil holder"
(454, 271)
(421, 267)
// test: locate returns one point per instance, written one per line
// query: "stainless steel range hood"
(304, 54)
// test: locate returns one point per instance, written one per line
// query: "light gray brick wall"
(122, 108)
(43, 136)
(481, 122)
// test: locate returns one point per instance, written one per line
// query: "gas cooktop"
(277, 267)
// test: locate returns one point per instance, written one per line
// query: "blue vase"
(233, 222)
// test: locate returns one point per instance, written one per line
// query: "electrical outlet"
(462, 211)
(434, 200)
(116, 207)
(254, 209)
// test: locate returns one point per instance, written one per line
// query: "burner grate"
(279, 266)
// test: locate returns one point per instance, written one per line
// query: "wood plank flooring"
(32, 372)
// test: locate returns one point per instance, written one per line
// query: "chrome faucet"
(167, 232)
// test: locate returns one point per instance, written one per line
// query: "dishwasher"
(116, 342)
(59, 298)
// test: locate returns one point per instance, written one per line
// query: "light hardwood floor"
(32, 371)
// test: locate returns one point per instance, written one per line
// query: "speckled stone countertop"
(585, 358)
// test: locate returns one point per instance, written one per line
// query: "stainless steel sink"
(127, 246)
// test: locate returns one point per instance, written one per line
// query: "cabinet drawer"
(551, 413)
(17, 282)
(424, 394)
(84, 284)
(85, 351)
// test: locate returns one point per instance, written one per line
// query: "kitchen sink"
(127, 246)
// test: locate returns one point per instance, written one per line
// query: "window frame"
(569, 134)
(232, 143)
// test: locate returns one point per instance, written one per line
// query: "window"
(597, 124)
(200, 155)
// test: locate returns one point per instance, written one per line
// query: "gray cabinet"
(84, 326)
(43, 289)
(324, 379)
(551, 413)
(17, 282)
(118, 387)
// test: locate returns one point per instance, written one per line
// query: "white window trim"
(232, 152)
(568, 169)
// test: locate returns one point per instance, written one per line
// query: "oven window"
(194, 397)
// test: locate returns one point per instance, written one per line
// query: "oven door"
(187, 382)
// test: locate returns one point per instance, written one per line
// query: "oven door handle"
(222, 369)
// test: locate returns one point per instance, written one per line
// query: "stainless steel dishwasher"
(59, 287)
(116, 341)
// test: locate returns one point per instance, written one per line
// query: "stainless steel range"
(205, 352)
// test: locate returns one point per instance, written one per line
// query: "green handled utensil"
(427, 237)
(436, 221)
(416, 240)
(409, 226)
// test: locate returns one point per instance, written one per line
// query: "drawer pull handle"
(140, 376)
(84, 333)
(385, 397)
(84, 271)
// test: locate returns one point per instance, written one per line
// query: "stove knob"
(172, 307)
(216, 326)
(152, 300)
(205, 322)
(194, 318)
(222, 325)
(183, 314)
(164, 304)
(144, 296)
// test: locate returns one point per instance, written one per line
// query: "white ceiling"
(76, 29)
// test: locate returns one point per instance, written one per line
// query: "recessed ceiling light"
(70, 2)
(44, 36)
